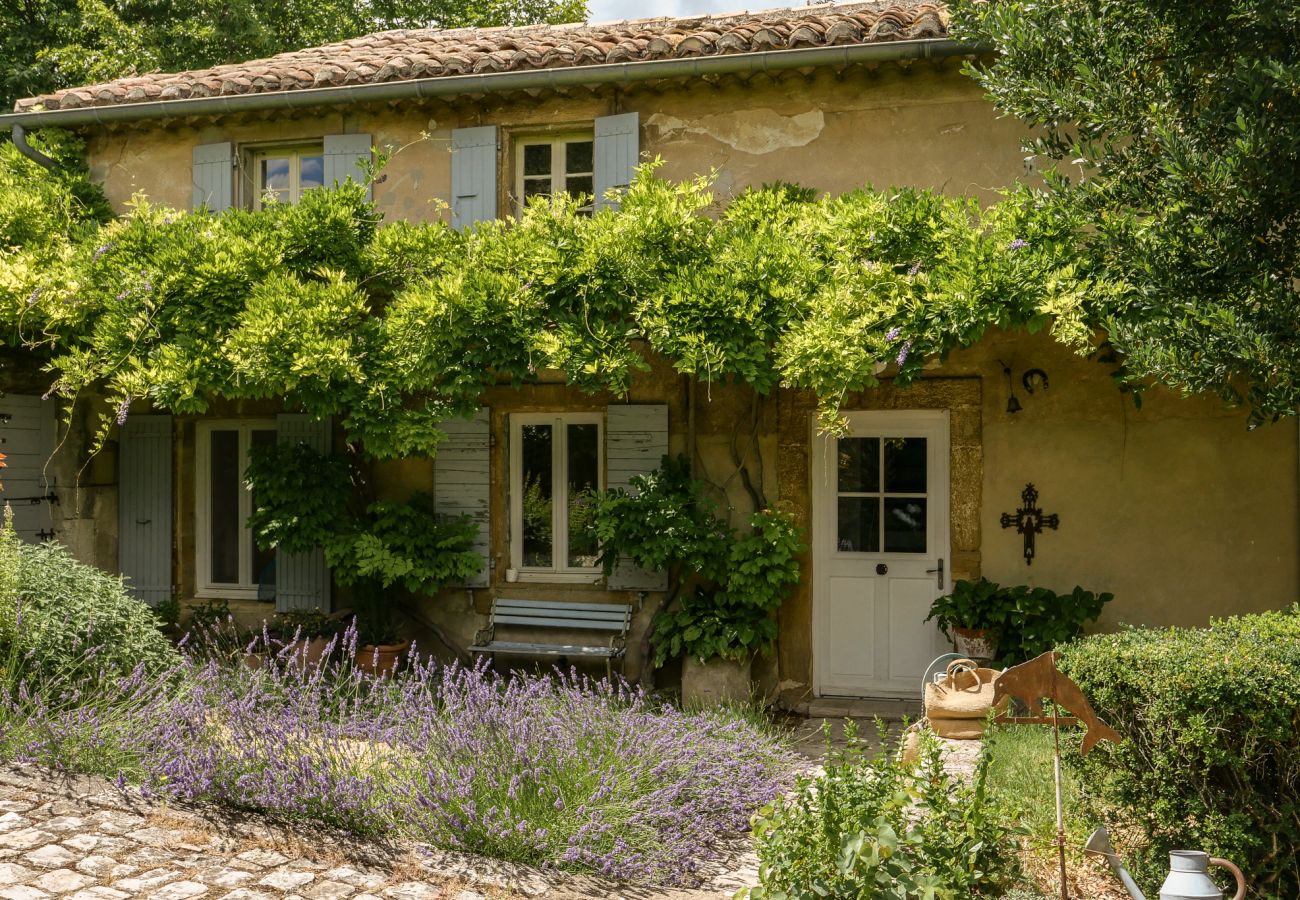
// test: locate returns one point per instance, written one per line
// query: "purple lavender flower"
(123, 408)
(904, 350)
(1017, 244)
(892, 334)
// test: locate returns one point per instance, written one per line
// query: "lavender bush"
(560, 770)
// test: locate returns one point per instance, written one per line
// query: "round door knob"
(882, 569)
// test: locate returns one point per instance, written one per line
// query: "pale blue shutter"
(344, 154)
(144, 507)
(462, 478)
(302, 580)
(636, 440)
(27, 438)
(213, 176)
(473, 175)
(618, 150)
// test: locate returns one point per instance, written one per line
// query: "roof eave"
(494, 82)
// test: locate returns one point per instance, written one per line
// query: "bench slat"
(537, 621)
(559, 604)
(546, 649)
(616, 618)
(589, 613)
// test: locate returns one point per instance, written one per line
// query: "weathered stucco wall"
(925, 126)
(1174, 507)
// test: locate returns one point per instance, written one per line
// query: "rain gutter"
(485, 83)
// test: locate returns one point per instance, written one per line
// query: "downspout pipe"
(19, 135)
(492, 82)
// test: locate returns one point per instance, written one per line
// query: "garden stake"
(1029, 683)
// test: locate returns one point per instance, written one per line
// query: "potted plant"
(305, 634)
(725, 585)
(379, 646)
(973, 616)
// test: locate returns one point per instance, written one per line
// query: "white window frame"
(204, 587)
(295, 152)
(558, 572)
(559, 177)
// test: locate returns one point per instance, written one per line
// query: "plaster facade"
(1174, 506)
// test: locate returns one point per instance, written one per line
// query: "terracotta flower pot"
(977, 643)
(308, 651)
(381, 659)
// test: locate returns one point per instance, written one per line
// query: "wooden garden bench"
(556, 615)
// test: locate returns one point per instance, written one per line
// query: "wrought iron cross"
(1029, 520)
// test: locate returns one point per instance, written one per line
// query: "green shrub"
(874, 827)
(72, 620)
(1211, 755)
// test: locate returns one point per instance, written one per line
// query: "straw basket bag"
(958, 702)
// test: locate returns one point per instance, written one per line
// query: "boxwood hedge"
(1211, 756)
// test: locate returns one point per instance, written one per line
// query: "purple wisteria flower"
(100, 251)
(915, 270)
(34, 296)
(1017, 244)
(123, 408)
(904, 350)
(892, 334)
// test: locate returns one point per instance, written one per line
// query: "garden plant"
(544, 769)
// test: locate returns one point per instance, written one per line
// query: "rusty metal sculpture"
(1038, 680)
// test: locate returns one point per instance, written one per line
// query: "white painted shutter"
(302, 580)
(462, 478)
(473, 175)
(214, 176)
(344, 154)
(27, 435)
(144, 507)
(636, 439)
(618, 150)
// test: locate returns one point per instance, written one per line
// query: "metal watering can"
(1188, 877)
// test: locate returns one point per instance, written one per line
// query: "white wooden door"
(881, 551)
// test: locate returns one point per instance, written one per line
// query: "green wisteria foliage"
(394, 329)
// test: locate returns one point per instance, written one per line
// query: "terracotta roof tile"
(428, 53)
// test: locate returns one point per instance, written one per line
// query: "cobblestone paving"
(77, 838)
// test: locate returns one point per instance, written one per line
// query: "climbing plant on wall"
(393, 329)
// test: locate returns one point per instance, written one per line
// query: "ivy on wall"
(393, 329)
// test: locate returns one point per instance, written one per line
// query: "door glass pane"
(584, 477)
(859, 465)
(859, 525)
(905, 460)
(224, 486)
(311, 172)
(904, 525)
(577, 158)
(537, 493)
(263, 561)
(537, 159)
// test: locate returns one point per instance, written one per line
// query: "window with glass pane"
(555, 469)
(881, 486)
(229, 561)
(549, 166)
(282, 174)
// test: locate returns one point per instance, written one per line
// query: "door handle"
(939, 572)
(882, 569)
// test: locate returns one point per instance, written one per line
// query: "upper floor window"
(552, 165)
(229, 562)
(281, 174)
(555, 462)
